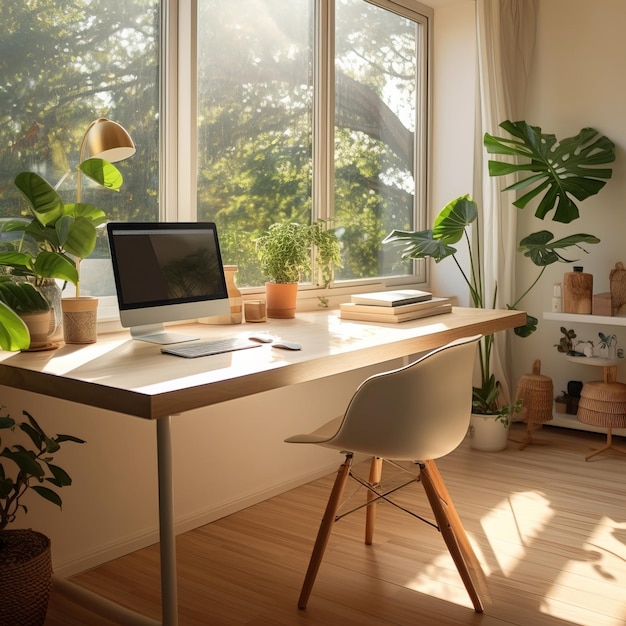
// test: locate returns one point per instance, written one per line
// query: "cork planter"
(80, 316)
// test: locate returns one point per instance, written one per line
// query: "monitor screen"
(166, 272)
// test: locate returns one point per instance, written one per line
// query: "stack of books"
(393, 306)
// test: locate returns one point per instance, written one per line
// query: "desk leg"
(169, 588)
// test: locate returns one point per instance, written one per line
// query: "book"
(393, 310)
(391, 298)
(357, 315)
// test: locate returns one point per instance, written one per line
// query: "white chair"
(418, 413)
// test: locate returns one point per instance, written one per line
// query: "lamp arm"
(80, 160)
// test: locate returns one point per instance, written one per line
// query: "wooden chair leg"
(323, 534)
(452, 531)
(376, 471)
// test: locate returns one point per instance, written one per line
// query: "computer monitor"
(166, 272)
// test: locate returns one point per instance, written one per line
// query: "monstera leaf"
(542, 251)
(559, 171)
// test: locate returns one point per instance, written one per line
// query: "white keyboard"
(208, 348)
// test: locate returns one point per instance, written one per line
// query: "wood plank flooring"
(548, 528)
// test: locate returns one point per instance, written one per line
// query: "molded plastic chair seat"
(417, 413)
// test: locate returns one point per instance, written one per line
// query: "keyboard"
(208, 348)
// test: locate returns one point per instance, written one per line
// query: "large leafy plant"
(560, 173)
(58, 236)
(24, 467)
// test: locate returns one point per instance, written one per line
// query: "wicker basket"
(25, 577)
(536, 393)
(603, 404)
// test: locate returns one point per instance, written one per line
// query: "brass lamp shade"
(106, 140)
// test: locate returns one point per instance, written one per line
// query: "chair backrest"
(418, 412)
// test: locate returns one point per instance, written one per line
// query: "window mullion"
(324, 110)
(178, 112)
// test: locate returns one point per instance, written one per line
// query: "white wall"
(577, 81)
(453, 114)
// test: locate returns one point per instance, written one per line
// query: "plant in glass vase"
(559, 173)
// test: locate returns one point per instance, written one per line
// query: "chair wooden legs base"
(609, 446)
(446, 517)
(324, 531)
(454, 534)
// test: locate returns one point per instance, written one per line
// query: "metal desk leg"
(169, 587)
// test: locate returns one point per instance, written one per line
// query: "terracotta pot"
(281, 300)
(38, 326)
(80, 317)
(25, 577)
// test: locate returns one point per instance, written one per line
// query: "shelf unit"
(570, 421)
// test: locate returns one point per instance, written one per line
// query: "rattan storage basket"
(536, 393)
(603, 404)
(25, 577)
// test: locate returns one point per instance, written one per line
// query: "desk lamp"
(103, 139)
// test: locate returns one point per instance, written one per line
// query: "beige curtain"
(506, 38)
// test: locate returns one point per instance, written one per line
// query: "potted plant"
(52, 244)
(25, 558)
(284, 252)
(557, 171)
(30, 304)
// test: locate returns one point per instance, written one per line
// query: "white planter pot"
(487, 434)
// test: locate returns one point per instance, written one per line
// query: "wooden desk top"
(133, 377)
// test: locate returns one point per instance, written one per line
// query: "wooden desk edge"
(158, 405)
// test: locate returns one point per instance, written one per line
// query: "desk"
(132, 377)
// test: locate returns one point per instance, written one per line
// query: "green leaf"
(96, 216)
(35, 436)
(14, 334)
(561, 171)
(80, 238)
(62, 438)
(7, 422)
(55, 265)
(420, 245)
(453, 219)
(541, 250)
(103, 173)
(46, 203)
(60, 477)
(48, 494)
(25, 461)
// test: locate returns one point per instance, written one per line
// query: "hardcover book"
(391, 298)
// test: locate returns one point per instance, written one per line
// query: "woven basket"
(536, 393)
(25, 577)
(603, 404)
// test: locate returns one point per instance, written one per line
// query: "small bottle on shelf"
(556, 298)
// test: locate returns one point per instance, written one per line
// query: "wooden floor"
(548, 527)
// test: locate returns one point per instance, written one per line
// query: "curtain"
(505, 43)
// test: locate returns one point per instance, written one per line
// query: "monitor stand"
(156, 333)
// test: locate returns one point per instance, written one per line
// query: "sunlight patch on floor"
(440, 579)
(602, 561)
(515, 522)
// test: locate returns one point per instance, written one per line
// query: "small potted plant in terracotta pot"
(285, 252)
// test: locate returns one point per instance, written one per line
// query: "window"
(281, 130)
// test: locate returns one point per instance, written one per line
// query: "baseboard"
(91, 559)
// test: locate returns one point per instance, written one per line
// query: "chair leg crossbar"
(447, 522)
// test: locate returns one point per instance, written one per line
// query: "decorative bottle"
(577, 291)
(234, 295)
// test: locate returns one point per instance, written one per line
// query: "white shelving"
(577, 318)
(570, 421)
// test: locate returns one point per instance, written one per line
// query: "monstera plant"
(559, 174)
